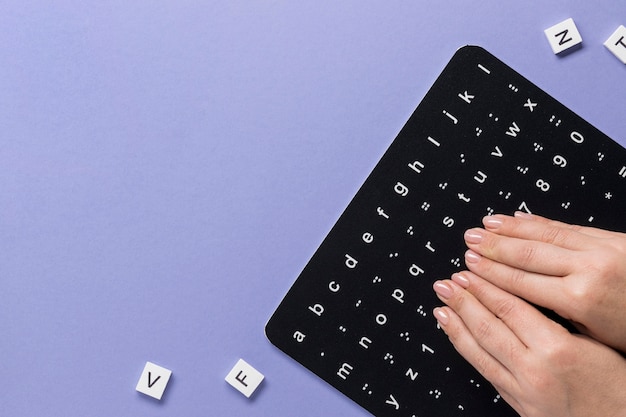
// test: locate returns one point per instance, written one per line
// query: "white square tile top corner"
(617, 43)
(153, 380)
(244, 378)
(563, 36)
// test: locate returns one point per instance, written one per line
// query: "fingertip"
(461, 279)
(442, 316)
(523, 215)
(472, 257)
(473, 236)
(443, 289)
(493, 222)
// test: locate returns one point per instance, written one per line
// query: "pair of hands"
(538, 367)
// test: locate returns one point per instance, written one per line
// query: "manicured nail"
(441, 316)
(442, 289)
(474, 236)
(523, 215)
(461, 280)
(492, 222)
(471, 257)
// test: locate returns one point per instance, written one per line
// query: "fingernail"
(523, 215)
(441, 316)
(461, 280)
(474, 236)
(442, 289)
(472, 257)
(491, 222)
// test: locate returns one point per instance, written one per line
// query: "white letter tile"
(153, 380)
(563, 36)
(617, 43)
(244, 378)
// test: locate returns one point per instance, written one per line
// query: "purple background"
(167, 168)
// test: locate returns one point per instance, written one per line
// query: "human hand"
(579, 272)
(536, 365)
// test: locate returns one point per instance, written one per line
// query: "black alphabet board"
(483, 140)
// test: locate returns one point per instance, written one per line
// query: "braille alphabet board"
(483, 140)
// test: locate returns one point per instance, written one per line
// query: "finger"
(543, 290)
(492, 334)
(528, 324)
(589, 231)
(555, 233)
(465, 343)
(529, 255)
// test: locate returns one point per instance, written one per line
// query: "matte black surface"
(484, 140)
